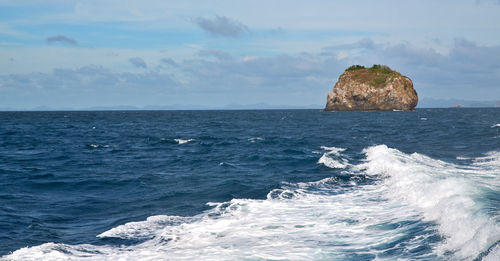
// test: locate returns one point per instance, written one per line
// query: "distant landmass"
(423, 103)
(456, 103)
(234, 106)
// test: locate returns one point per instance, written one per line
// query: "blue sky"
(80, 54)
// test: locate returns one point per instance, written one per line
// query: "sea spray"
(444, 194)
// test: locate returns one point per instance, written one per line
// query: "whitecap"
(181, 141)
(291, 224)
(254, 139)
(143, 229)
(490, 161)
(322, 220)
(494, 254)
(332, 158)
(332, 163)
(95, 146)
(444, 193)
(333, 150)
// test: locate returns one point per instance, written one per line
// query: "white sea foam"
(491, 161)
(494, 254)
(332, 163)
(181, 141)
(95, 146)
(292, 224)
(445, 193)
(332, 158)
(333, 150)
(254, 139)
(143, 229)
(323, 220)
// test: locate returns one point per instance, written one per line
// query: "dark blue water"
(67, 177)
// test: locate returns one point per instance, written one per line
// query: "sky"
(104, 53)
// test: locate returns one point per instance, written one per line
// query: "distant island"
(372, 89)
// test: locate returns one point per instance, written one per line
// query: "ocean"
(250, 185)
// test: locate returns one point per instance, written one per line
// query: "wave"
(416, 208)
(332, 158)
(95, 146)
(143, 229)
(450, 195)
(254, 139)
(181, 141)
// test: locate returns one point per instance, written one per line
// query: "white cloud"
(44, 58)
(221, 55)
(6, 29)
(249, 58)
(342, 55)
(468, 71)
(169, 61)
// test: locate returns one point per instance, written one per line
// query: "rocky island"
(372, 89)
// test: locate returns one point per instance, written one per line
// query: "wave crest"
(445, 193)
(414, 201)
(332, 158)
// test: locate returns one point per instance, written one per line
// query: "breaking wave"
(181, 141)
(332, 158)
(415, 207)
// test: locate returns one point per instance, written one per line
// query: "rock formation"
(372, 89)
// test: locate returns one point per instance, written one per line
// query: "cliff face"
(372, 89)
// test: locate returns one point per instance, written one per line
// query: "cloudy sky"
(80, 54)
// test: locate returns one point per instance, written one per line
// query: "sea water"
(250, 185)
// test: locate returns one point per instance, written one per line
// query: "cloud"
(138, 62)
(6, 29)
(61, 39)
(85, 87)
(169, 61)
(365, 43)
(221, 55)
(479, 2)
(301, 79)
(221, 26)
(468, 70)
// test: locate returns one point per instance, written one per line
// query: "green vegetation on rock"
(376, 76)
(355, 67)
(378, 80)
